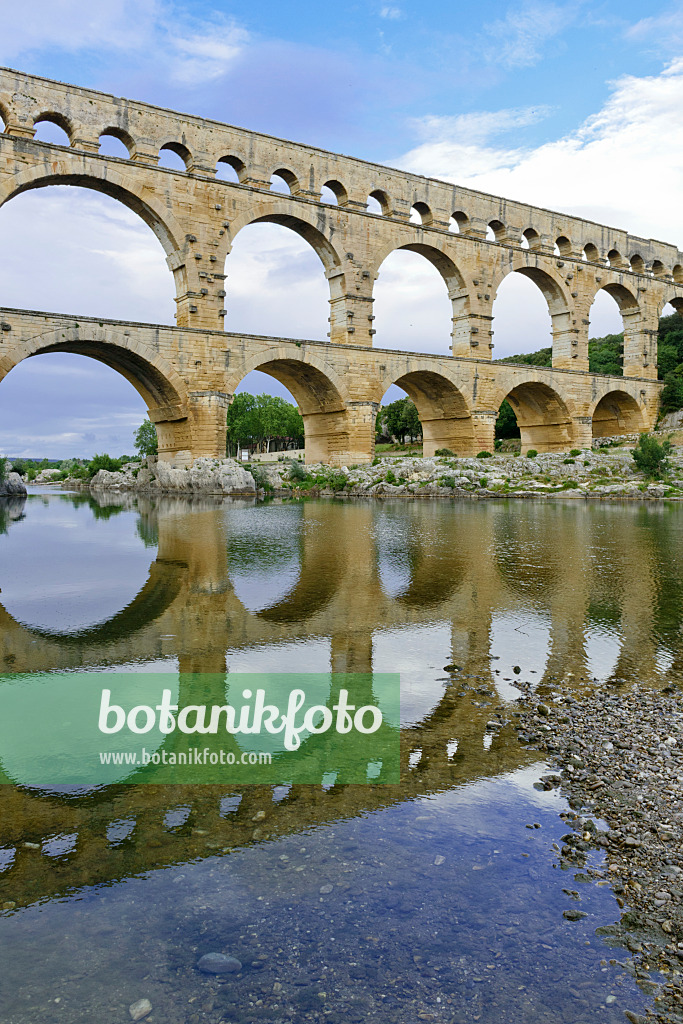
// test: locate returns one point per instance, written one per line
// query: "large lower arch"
(617, 412)
(152, 376)
(335, 432)
(544, 421)
(443, 412)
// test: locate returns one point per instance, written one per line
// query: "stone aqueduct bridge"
(188, 375)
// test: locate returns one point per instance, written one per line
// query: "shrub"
(569, 462)
(484, 455)
(19, 468)
(3, 468)
(532, 453)
(337, 481)
(391, 477)
(297, 471)
(574, 452)
(446, 481)
(103, 461)
(260, 479)
(650, 456)
(497, 444)
(446, 452)
(483, 482)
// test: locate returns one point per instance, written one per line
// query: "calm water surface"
(431, 900)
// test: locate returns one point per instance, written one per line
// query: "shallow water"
(431, 900)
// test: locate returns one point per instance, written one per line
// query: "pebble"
(219, 963)
(139, 1009)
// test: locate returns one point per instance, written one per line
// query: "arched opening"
(421, 214)
(637, 264)
(174, 156)
(53, 129)
(591, 253)
(230, 168)
(264, 420)
(283, 181)
(397, 425)
(413, 310)
(542, 416)
(531, 239)
(378, 203)
(677, 273)
(521, 320)
(507, 433)
(459, 222)
(319, 402)
(658, 269)
(496, 231)
(66, 406)
(617, 413)
(615, 259)
(117, 143)
(563, 246)
(155, 382)
(279, 258)
(3, 120)
(334, 193)
(439, 413)
(92, 254)
(612, 307)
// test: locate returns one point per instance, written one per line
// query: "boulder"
(12, 485)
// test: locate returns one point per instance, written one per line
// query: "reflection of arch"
(102, 177)
(542, 416)
(442, 409)
(158, 594)
(617, 413)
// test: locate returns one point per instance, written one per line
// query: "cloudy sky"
(574, 106)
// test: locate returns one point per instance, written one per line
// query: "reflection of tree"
(662, 535)
(147, 529)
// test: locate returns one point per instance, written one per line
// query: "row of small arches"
(115, 142)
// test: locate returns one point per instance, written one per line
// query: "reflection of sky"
(393, 538)
(419, 653)
(602, 651)
(523, 639)
(263, 553)
(62, 569)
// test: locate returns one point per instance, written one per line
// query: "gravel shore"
(618, 759)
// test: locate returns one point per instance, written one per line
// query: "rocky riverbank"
(604, 472)
(618, 758)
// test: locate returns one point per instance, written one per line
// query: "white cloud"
(622, 167)
(205, 56)
(191, 53)
(663, 31)
(517, 40)
(391, 13)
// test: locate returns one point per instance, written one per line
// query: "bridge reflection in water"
(311, 586)
(497, 591)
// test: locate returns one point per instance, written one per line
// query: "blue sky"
(575, 106)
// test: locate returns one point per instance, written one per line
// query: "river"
(438, 899)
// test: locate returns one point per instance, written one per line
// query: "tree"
(506, 423)
(671, 398)
(146, 440)
(650, 456)
(260, 419)
(400, 419)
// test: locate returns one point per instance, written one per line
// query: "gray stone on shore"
(12, 485)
